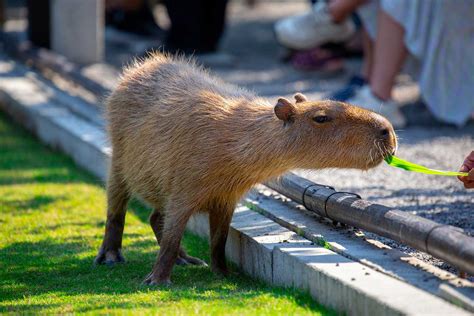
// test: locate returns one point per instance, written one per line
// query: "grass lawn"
(52, 220)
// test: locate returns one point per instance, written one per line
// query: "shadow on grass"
(47, 266)
(35, 202)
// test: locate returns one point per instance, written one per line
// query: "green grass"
(52, 219)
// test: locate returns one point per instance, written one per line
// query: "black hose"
(445, 242)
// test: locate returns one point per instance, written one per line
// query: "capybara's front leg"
(156, 223)
(175, 222)
(219, 222)
(117, 199)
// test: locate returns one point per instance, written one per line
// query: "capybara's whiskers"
(371, 158)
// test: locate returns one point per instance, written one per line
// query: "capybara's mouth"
(378, 154)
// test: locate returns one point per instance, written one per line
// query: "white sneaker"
(312, 29)
(366, 99)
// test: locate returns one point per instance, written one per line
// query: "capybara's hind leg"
(117, 199)
(175, 222)
(156, 222)
(219, 222)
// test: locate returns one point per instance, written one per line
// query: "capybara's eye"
(321, 119)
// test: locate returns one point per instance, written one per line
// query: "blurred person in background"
(196, 26)
(433, 39)
(133, 16)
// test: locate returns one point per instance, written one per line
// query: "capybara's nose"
(385, 132)
(384, 126)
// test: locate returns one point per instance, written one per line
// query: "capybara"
(186, 142)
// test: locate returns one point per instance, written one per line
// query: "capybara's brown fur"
(186, 142)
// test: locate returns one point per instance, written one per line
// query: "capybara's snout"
(381, 139)
(386, 134)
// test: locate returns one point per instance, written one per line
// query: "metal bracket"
(314, 185)
(337, 192)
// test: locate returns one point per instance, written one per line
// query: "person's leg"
(389, 53)
(133, 16)
(215, 13)
(2, 12)
(187, 25)
(368, 48)
(39, 22)
(383, 60)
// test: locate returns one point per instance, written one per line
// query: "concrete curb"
(371, 253)
(258, 245)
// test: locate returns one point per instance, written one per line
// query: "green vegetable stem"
(403, 164)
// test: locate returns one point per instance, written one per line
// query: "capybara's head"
(331, 134)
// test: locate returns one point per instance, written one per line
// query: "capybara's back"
(167, 124)
(187, 142)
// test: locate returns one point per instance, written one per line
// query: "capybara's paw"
(109, 257)
(152, 280)
(189, 260)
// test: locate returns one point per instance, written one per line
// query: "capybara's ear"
(284, 110)
(299, 97)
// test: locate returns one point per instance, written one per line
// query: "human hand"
(468, 166)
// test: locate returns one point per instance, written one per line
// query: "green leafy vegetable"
(403, 164)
